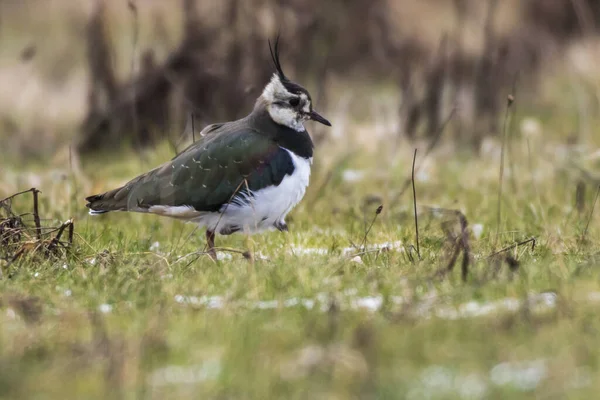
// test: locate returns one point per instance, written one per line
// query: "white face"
(286, 108)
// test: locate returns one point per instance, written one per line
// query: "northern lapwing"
(240, 176)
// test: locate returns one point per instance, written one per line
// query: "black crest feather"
(288, 84)
(275, 56)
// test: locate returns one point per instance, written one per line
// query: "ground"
(331, 309)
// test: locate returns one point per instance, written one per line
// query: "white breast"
(267, 206)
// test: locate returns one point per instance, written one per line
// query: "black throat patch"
(298, 142)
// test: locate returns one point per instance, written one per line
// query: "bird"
(239, 176)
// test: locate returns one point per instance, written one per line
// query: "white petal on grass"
(348, 300)
(471, 386)
(293, 302)
(215, 302)
(379, 246)
(11, 314)
(477, 230)
(543, 300)
(434, 382)
(306, 251)
(297, 302)
(524, 376)
(178, 374)
(353, 175)
(224, 256)
(438, 377)
(371, 303)
(205, 301)
(530, 127)
(105, 308)
(179, 298)
(423, 175)
(539, 303)
(308, 304)
(266, 305)
(438, 381)
(357, 260)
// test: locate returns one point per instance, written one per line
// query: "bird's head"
(287, 102)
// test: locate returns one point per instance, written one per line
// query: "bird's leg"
(210, 242)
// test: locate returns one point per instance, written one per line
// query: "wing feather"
(207, 174)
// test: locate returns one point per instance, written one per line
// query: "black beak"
(315, 116)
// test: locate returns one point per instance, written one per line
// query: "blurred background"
(82, 77)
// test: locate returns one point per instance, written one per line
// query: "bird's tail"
(113, 200)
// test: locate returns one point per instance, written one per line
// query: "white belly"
(265, 207)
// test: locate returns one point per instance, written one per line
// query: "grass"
(131, 312)
(123, 316)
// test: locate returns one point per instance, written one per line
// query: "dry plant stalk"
(415, 204)
(587, 225)
(459, 243)
(18, 238)
(503, 256)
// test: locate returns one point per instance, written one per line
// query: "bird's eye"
(294, 101)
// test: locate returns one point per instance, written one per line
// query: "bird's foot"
(212, 253)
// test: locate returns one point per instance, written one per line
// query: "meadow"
(496, 298)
